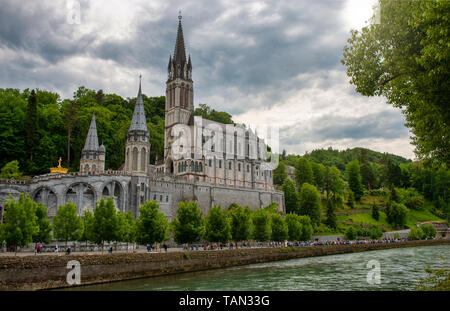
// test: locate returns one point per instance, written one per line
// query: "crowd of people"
(231, 245)
(234, 245)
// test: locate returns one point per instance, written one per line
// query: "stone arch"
(115, 190)
(169, 166)
(83, 195)
(94, 168)
(135, 159)
(86, 168)
(143, 160)
(47, 196)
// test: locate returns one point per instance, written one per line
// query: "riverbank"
(48, 272)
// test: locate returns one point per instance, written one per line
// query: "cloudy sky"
(272, 62)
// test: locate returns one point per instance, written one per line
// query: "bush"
(11, 170)
(416, 234)
(375, 233)
(378, 193)
(375, 211)
(310, 202)
(396, 214)
(350, 233)
(429, 232)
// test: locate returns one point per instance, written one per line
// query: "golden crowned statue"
(59, 169)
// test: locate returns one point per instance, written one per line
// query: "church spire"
(179, 55)
(139, 122)
(92, 138)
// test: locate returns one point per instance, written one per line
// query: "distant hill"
(340, 158)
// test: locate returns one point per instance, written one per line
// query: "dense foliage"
(405, 58)
(58, 127)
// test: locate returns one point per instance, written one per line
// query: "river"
(400, 269)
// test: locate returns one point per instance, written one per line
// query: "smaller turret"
(92, 156)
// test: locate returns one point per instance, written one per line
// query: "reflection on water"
(401, 268)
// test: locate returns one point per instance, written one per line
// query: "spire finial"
(179, 15)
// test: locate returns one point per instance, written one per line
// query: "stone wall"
(129, 192)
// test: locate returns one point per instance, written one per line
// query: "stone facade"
(231, 171)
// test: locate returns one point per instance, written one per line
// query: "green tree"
(290, 196)
(262, 230)
(294, 226)
(106, 222)
(307, 228)
(44, 232)
(19, 221)
(310, 203)
(241, 223)
(280, 229)
(217, 225)
(129, 227)
(319, 175)
(429, 232)
(279, 174)
(396, 214)
(32, 126)
(333, 183)
(189, 225)
(303, 172)
(152, 224)
(405, 58)
(11, 170)
(354, 179)
(416, 233)
(375, 211)
(375, 233)
(67, 225)
(351, 199)
(88, 228)
(350, 233)
(331, 215)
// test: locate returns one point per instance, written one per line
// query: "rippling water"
(400, 269)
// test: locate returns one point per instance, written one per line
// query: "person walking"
(165, 247)
(148, 248)
(56, 249)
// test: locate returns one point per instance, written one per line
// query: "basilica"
(212, 163)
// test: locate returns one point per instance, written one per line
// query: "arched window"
(200, 169)
(127, 159)
(239, 167)
(94, 168)
(196, 167)
(186, 98)
(86, 168)
(181, 97)
(229, 165)
(143, 160)
(135, 159)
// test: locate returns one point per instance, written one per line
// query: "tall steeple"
(137, 146)
(179, 92)
(138, 122)
(92, 138)
(92, 156)
(180, 53)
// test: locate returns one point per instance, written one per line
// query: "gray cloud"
(246, 56)
(386, 124)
